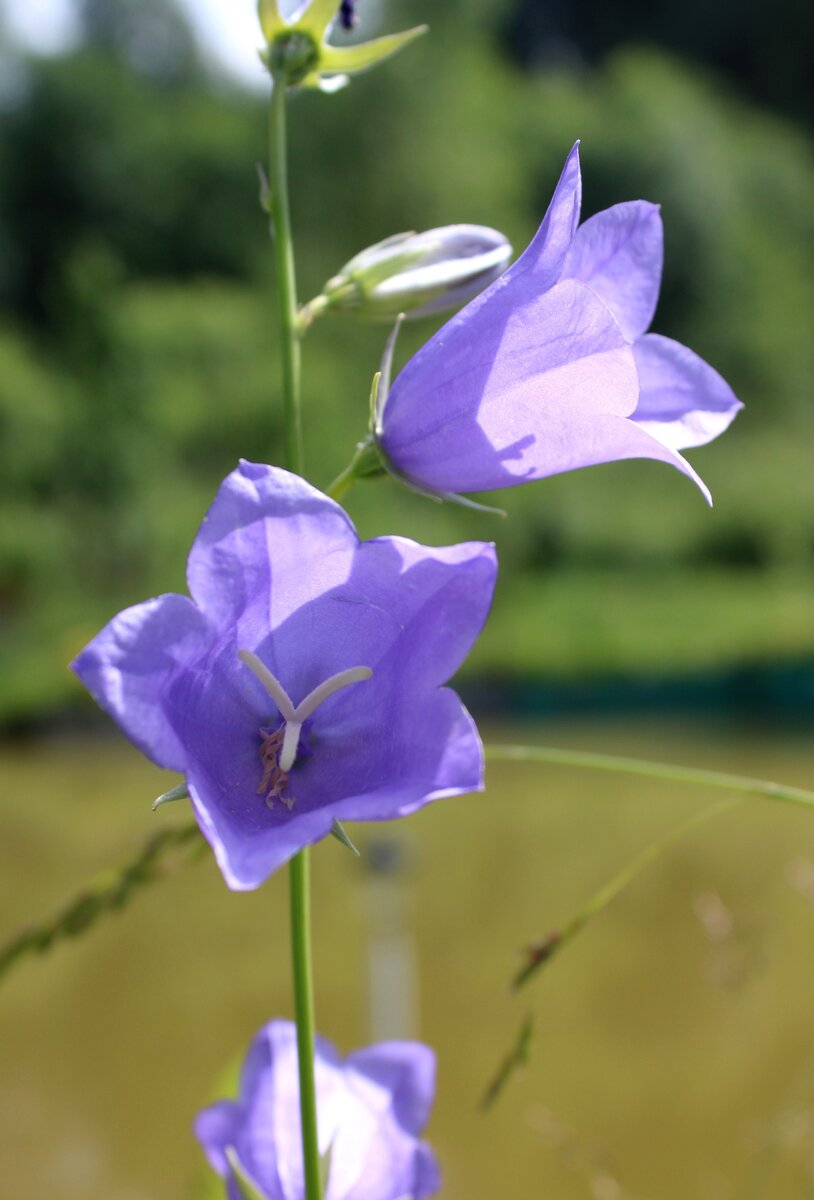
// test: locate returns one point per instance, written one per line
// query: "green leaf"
(349, 60)
(245, 1184)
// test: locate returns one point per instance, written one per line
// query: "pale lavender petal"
(217, 1128)
(262, 513)
(406, 1070)
(683, 401)
(370, 1110)
(619, 254)
(512, 395)
(132, 663)
(616, 438)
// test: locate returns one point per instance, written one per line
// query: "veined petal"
(258, 510)
(131, 664)
(619, 253)
(511, 394)
(349, 60)
(683, 401)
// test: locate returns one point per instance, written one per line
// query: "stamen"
(278, 750)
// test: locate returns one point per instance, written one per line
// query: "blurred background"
(675, 1053)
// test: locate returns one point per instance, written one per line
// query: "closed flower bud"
(419, 273)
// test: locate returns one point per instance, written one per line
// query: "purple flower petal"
(513, 394)
(619, 253)
(370, 1110)
(370, 631)
(546, 254)
(217, 1129)
(130, 664)
(258, 513)
(683, 401)
(538, 375)
(384, 747)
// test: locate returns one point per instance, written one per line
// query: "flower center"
(278, 749)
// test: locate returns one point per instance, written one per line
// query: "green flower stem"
(294, 460)
(299, 882)
(286, 276)
(650, 770)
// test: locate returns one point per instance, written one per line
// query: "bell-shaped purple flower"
(302, 683)
(371, 1109)
(551, 368)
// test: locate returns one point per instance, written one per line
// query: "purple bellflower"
(371, 1107)
(551, 368)
(301, 684)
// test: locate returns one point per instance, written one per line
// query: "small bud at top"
(419, 273)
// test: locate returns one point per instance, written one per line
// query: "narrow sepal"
(349, 60)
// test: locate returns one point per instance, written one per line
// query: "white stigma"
(295, 716)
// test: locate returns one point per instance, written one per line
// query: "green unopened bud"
(293, 54)
(418, 274)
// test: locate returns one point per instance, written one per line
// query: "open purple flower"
(371, 1108)
(301, 684)
(551, 367)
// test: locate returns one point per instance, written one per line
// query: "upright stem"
(294, 460)
(286, 277)
(299, 880)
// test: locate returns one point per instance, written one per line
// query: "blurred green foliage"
(138, 341)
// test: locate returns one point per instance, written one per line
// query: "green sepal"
(179, 792)
(340, 833)
(269, 17)
(318, 18)
(325, 1163)
(245, 1184)
(349, 60)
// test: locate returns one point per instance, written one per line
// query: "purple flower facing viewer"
(301, 684)
(551, 368)
(371, 1108)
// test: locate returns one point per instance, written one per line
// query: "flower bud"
(419, 273)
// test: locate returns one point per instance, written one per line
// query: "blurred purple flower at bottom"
(303, 682)
(371, 1108)
(551, 369)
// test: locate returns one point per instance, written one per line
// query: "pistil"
(278, 750)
